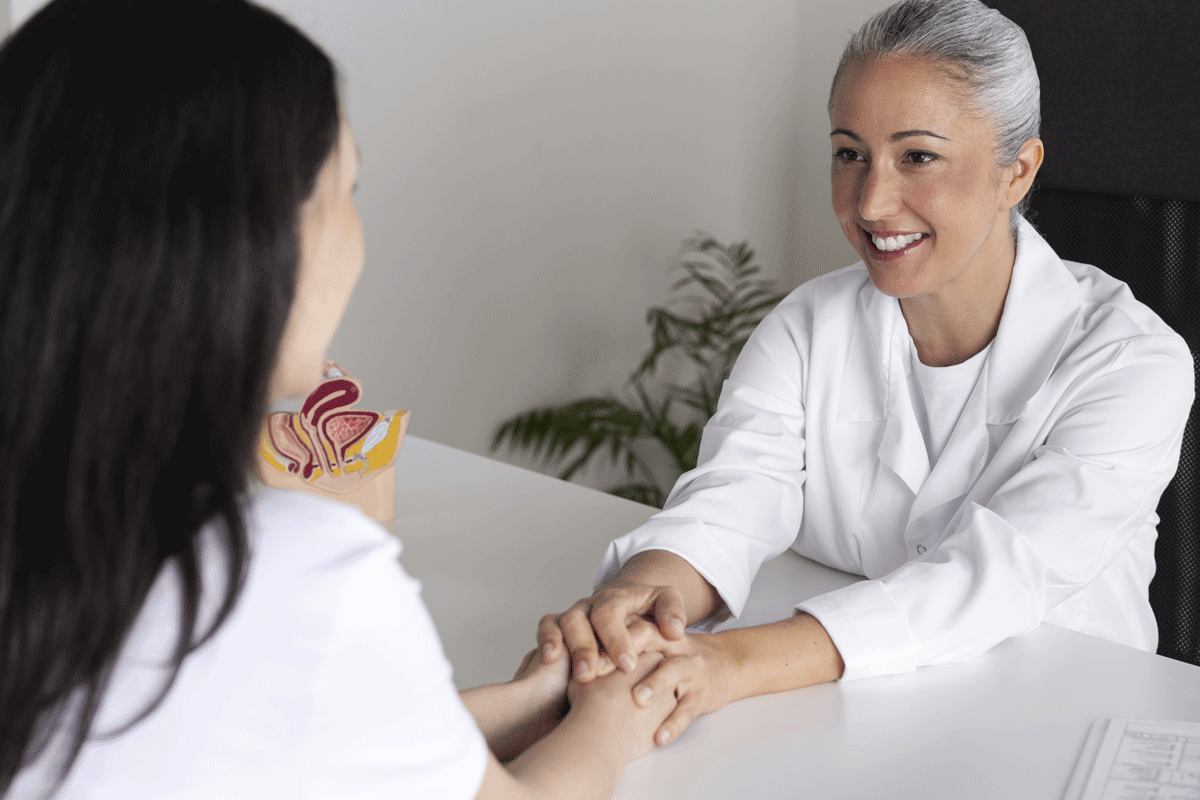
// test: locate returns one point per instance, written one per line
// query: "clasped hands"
(618, 627)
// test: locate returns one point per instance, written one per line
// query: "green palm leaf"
(708, 329)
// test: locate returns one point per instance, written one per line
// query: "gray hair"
(986, 52)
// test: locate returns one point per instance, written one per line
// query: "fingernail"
(678, 623)
(664, 737)
(643, 694)
(627, 662)
(547, 650)
(581, 668)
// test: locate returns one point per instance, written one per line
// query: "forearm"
(662, 568)
(780, 656)
(511, 715)
(571, 763)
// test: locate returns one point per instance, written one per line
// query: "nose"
(879, 193)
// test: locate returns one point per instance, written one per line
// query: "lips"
(896, 244)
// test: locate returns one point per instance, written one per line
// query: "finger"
(608, 619)
(645, 637)
(580, 641)
(670, 613)
(677, 722)
(605, 666)
(525, 662)
(669, 675)
(550, 638)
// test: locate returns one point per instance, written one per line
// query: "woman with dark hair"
(178, 241)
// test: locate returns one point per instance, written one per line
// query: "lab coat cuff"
(868, 628)
(694, 543)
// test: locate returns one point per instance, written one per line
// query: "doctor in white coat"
(980, 428)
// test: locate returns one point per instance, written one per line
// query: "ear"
(1018, 178)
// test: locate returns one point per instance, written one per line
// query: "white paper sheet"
(1137, 759)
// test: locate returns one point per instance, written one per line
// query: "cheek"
(956, 205)
(844, 196)
(350, 239)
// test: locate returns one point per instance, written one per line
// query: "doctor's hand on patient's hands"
(606, 708)
(603, 621)
(697, 670)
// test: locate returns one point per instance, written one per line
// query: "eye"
(921, 157)
(847, 155)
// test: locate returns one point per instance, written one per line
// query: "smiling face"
(915, 184)
(331, 261)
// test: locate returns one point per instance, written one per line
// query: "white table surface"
(496, 547)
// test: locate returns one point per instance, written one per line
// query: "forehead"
(897, 93)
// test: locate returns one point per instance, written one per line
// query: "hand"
(545, 690)
(698, 671)
(606, 707)
(606, 616)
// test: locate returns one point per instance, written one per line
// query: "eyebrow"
(895, 137)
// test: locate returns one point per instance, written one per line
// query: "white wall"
(531, 166)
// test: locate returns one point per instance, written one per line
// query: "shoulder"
(305, 532)
(826, 299)
(315, 520)
(777, 355)
(1112, 319)
(840, 285)
(1109, 302)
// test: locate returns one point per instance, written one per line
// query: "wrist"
(664, 568)
(544, 704)
(738, 661)
(780, 656)
(592, 735)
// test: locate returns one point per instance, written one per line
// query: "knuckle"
(580, 606)
(583, 651)
(607, 614)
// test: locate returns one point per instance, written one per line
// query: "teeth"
(892, 243)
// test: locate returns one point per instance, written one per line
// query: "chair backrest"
(1154, 246)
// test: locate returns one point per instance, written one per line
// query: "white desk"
(497, 547)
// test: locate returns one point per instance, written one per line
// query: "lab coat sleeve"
(742, 504)
(1057, 523)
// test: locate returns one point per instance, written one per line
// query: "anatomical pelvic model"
(334, 450)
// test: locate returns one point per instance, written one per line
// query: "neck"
(960, 319)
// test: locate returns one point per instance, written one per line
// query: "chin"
(892, 284)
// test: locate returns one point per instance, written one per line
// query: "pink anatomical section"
(323, 444)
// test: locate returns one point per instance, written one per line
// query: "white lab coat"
(1041, 507)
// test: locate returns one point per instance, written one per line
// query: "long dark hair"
(154, 155)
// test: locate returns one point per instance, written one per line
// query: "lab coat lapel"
(962, 460)
(1040, 311)
(874, 387)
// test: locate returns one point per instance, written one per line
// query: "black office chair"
(1154, 246)
(1121, 119)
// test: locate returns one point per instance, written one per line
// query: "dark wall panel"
(1120, 93)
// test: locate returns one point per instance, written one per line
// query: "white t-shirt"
(939, 395)
(327, 681)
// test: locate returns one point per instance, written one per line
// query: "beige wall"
(530, 168)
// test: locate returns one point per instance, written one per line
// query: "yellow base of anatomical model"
(333, 450)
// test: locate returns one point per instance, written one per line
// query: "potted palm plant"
(703, 332)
